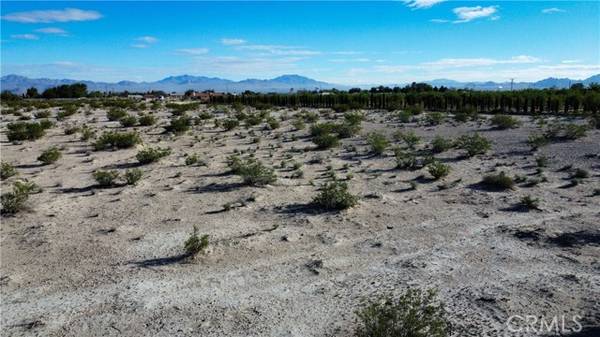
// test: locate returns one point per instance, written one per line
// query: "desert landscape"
(498, 213)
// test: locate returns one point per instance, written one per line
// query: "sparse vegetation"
(14, 201)
(504, 122)
(19, 131)
(132, 176)
(378, 142)
(474, 144)
(195, 244)
(528, 202)
(438, 170)
(117, 140)
(498, 181)
(151, 154)
(7, 170)
(50, 155)
(335, 196)
(252, 171)
(106, 178)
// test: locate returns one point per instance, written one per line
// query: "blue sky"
(340, 42)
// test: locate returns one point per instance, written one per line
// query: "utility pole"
(512, 81)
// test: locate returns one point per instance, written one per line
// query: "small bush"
(410, 138)
(106, 178)
(193, 159)
(179, 125)
(378, 142)
(50, 155)
(117, 140)
(541, 161)
(537, 140)
(335, 196)
(438, 170)
(128, 121)
(13, 202)
(474, 144)
(498, 181)
(574, 131)
(528, 202)
(7, 170)
(273, 123)
(151, 155)
(354, 118)
(504, 122)
(132, 176)
(115, 114)
(26, 131)
(230, 124)
(434, 118)
(405, 160)
(413, 314)
(404, 116)
(42, 114)
(255, 173)
(195, 244)
(440, 144)
(147, 120)
(299, 124)
(86, 133)
(326, 141)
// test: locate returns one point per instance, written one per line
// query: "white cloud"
(279, 50)
(347, 52)
(570, 61)
(139, 45)
(147, 39)
(48, 16)
(466, 14)
(25, 37)
(552, 10)
(418, 4)
(439, 21)
(479, 62)
(193, 51)
(232, 42)
(52, 31)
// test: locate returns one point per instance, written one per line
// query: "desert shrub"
(529, 202)
(152, 154)
(194, 159)
(498, 181)
(42, 114)
(26, 131)
(106, 178)
(440, 144)
(541, 161)
(299, 124)
(132, 176)
(204, 115)
(335, 196)
(378, 142)
(128, 121)
(309, 116)
(537, 140)
(255, 173)
(461, 116)
(354, 118)
(50, 155)
(504, 122)
(474, 144)
(574, 131)
(438, 170)
(253, 119)
(115, 114)
(273, 123)
(326, 141)
(179, 125)
(404, 116)
(410, 138)
(414, 314)
(230, 124)
(117, 140)
(7, 170)
(86, 133)
(341, 108)
(147, 120)
(195, 244)
(406, 160)
(414, 110)
(71, 130)
(434, 118)
(14, 201)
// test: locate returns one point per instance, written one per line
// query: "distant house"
(152, 97)
(135, 96)
(204, 97)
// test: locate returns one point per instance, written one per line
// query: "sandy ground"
(86, 261)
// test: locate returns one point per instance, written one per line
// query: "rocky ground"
(90, 261)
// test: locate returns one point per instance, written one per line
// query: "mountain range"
(285, 83)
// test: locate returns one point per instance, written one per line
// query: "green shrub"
(86, 133)
(106, 178)
(117, 140)
(179, 125)
(254, 173)
(7, 170)
(541, 161)
(115, 114)
(326, 141)
(440, 144)
(335, 196)
(195, 244)
(18, 131)
(354, 118)
(193, 159)
(273, 123)
(528, 202)
(574, 131)
(132, 176)
(14, 201)
(50, 155)
(413, 314)
(299, 124)
(128, 121)
(378, 142)
(42, 114)
(404, 116)
(474, 144)
(498, 181)
(414, 110)
(438, 170)
(147, 120)
(405, 160)
(537, 140)
(72, 130)
(151, 155)
(504, 122)
(230, 124)
(410, 138)
(461, 116)
(434, 118)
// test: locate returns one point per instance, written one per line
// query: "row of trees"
(76, 90)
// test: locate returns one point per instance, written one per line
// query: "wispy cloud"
(466, 14)
(439, 21)
(52, 31)
(552, 10)
(478, 62)
(193, 51)
(279, 50)
(144, 42)
(232, 42)
(419, 4)
(139, 45)
(25, 37)
(48, 16)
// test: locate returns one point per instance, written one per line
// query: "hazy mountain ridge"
(284, 83)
